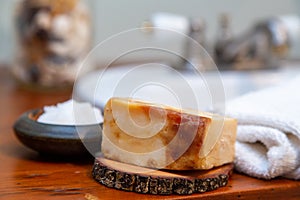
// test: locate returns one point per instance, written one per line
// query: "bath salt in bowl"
(71, 113)
(68, 129)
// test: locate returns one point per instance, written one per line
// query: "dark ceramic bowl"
(59, 140)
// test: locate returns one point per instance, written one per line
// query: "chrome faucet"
(261, 47)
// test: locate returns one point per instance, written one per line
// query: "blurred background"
(253, 43)
(112, 17)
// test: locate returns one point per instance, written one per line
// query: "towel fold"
(268, 138)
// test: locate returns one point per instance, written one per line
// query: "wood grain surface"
(25, 174)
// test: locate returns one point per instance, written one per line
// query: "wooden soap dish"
(163, 182)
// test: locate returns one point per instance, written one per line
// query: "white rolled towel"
(268, 138)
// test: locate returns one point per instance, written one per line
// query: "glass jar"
(53, 37)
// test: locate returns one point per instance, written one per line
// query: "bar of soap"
(163, 137)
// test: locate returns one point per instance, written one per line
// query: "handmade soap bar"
(158, 136)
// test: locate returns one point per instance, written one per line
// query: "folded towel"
(268, 138)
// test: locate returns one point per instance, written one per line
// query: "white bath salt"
(71, 113)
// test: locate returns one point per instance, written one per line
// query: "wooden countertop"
(27, 175)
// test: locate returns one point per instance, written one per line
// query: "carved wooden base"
(143, 180)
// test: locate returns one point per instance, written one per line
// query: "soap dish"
(59, 140)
